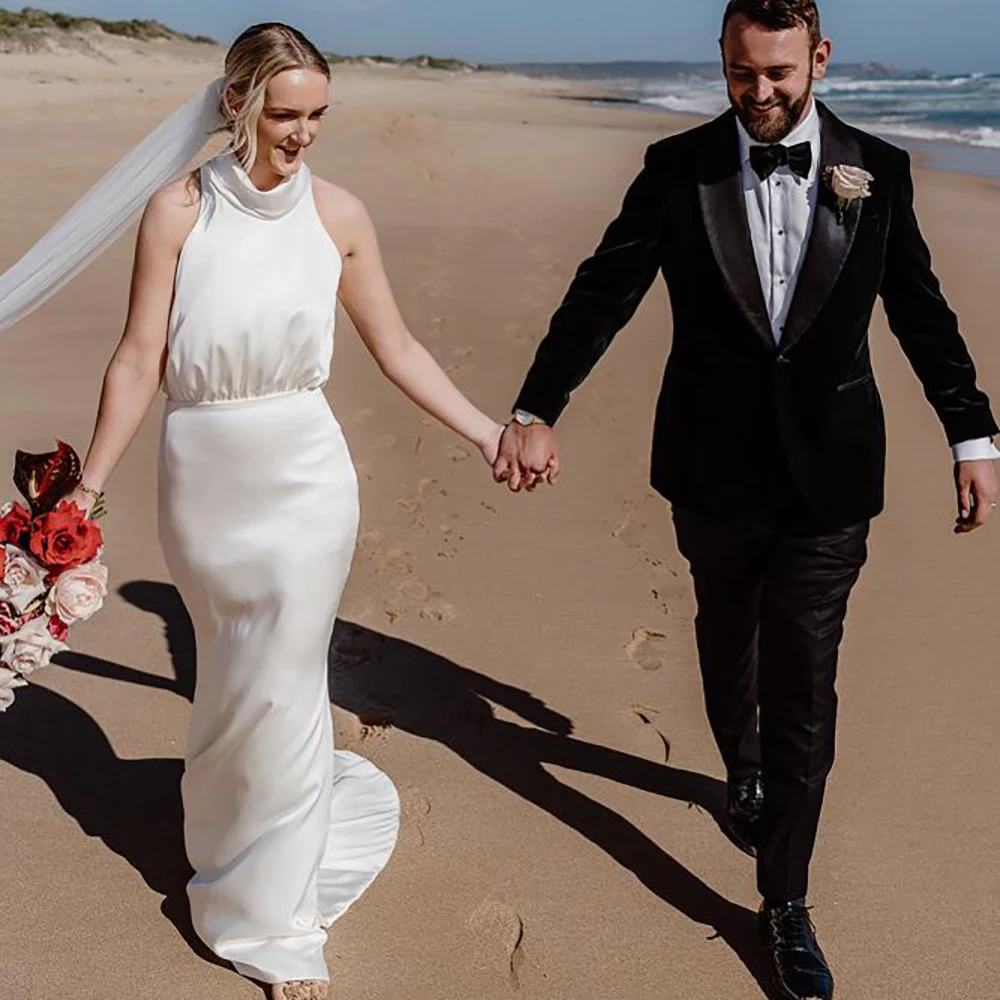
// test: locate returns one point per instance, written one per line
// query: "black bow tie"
(766, 159)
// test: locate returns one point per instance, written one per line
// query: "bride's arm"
(136, 368)
(366, 295)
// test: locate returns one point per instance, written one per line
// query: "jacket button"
(783, 360)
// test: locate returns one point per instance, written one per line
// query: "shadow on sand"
(134, 806)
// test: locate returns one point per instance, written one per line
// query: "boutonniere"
(849, 184)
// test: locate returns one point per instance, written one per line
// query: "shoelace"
(792, 928)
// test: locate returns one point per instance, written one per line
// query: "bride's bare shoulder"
(344, 214)
(173, 210)
(181, 195)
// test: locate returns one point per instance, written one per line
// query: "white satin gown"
(258, 513)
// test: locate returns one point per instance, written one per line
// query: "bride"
(238, 268)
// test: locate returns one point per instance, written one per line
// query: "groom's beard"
(776, 126)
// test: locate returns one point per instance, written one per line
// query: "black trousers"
(772, 599)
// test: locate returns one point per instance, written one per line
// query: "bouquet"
(51, 576)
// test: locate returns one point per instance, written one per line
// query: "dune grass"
(32, 24)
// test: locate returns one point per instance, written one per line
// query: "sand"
(481, 629)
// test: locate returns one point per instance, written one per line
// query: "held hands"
(489, 446)
(976, 483)
(527, 456)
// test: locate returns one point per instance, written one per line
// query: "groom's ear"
(821, 59)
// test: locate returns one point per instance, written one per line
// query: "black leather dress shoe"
(800, 970)
(744, 802)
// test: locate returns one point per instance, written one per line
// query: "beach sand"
(480, 627)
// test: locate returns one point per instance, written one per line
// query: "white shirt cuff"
(982, 449)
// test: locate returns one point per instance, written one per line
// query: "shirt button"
(781, 232)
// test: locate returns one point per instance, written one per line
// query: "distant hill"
(412, 62)
(31, 30)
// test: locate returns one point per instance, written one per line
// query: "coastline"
(934, 154)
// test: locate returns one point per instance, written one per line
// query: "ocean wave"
(705, 103)
(960, 109)
(985, 136)
(847, 85)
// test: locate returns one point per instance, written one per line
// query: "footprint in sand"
(396, 562)
(647, 717)
(363, 416)
(387, 441)
(435, 330)
(647, 649)
(415, 807)
(369, 541)
(630, 531)
(458, 454)
(375, 721)
(502, 929)
(438, 610)
(518, 333)
(415, 589)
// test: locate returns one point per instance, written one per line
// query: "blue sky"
(947, 36)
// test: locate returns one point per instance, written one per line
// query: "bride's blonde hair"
(255, 58)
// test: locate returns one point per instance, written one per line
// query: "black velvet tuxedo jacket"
(809, 407)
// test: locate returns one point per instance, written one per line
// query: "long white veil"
(109, 207)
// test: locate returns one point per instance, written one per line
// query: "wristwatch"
(526, 419)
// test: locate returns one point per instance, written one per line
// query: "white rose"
(8, 681)
(850, 183)
(79, 593)
(23, 578)
(6, 508)
(31, 648)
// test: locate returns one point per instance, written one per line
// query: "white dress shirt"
(780, 211)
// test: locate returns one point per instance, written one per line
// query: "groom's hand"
(528, 456)
(976, 483)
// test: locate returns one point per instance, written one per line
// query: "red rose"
(11, 619)
(65, 538)
(14, 525)
(58, 629)
(3, 563)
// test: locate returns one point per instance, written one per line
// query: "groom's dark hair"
(777, 15)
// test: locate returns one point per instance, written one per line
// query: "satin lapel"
(724, 209)
(832, 234)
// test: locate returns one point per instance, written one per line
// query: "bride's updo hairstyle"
(255, 58)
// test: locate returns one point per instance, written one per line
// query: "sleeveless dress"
(258, 515)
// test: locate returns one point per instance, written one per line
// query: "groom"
(776, 228)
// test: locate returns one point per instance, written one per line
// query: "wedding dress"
(258, 506)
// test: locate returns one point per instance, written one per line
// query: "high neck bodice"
(235, 185)
(255, 292)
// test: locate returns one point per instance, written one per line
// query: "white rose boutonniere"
(849, 184)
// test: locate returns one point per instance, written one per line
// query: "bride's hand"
(85, 500)
(490, 447)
